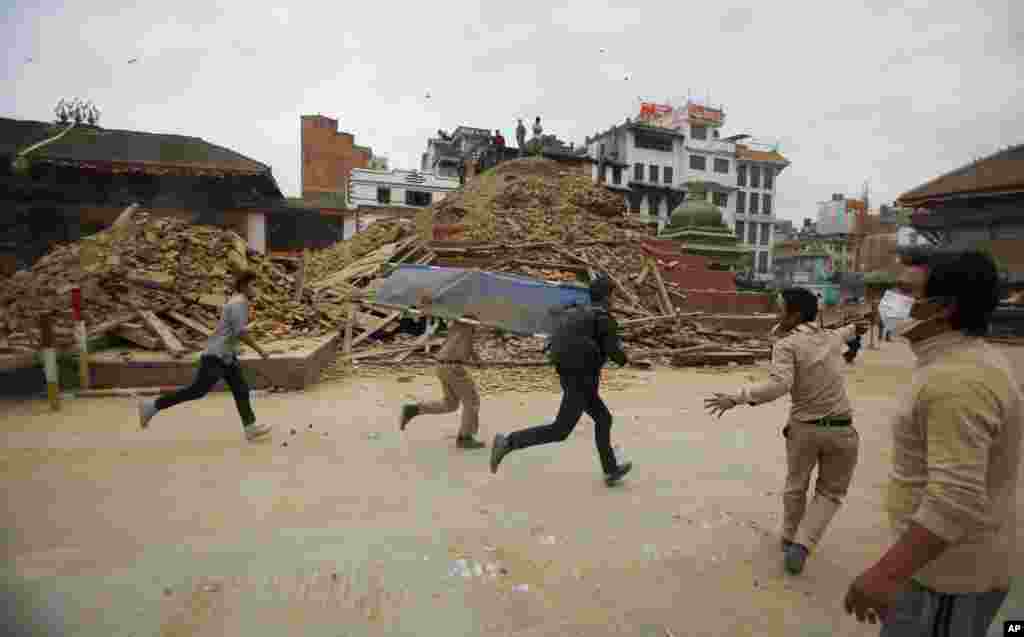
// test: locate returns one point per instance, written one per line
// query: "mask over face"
(894, 309)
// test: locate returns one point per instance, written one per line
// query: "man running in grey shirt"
(220, 361)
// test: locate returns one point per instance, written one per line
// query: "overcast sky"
(853, 91)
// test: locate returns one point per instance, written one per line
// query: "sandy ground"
(354, 529)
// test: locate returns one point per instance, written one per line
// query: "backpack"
(574, 335)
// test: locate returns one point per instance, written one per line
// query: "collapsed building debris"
(160, 283)
(157, 282)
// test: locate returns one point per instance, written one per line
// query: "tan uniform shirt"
(807, 364)
(956, 462)
(458, 347)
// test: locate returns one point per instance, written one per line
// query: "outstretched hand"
(719, 404)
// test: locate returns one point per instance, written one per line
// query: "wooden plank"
(648, 319)
(543, 265)
(193, 323)
(644, 272)
(109, 326)
(139, 336)
(663, 293)
(713, 358)
(376, 327)
(300, 280)
(171, 341)
(388, 351)
(349, 326)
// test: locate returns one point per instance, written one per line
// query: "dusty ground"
(354, 529)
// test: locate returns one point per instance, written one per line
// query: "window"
(698, 162)
(417, 198)
(741, 202)
(699, 132)
(652, 171)
(383, 195)
(653, 142)
(722, 166)
(769, 178)
(752, 233)
(762, 262)
(766, 234)
(740, 228)
(767, 201)
(616, 175)
(667, 175)
(720, 199)
(753, 203)
(755, 176)
(741, 176)
(638, 172)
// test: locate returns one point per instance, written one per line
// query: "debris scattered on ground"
(160, 280)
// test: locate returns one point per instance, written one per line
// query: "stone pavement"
(354, 529)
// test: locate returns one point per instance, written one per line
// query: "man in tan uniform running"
(456, 383)
(807, 364)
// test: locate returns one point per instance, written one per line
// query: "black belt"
(831, 421)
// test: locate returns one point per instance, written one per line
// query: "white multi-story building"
(650, 161)
(397, 188)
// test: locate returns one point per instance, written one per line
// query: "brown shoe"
(469, 443)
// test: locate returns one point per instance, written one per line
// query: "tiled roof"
(1001, 173)
(148, 152)
(748, 154)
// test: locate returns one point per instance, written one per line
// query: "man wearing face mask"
(956, 460)
(806, 365)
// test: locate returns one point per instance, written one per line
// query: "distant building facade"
(651, 159)
(397, 188)
(328, 158)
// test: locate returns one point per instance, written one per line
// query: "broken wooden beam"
(138, 335)
(663, 293)
(648, 319)
(385, 352)
(376, 327)
(193, 323)
(713, 358)
(170, 341)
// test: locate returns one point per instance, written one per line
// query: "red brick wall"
(718, 302)
(328, 156)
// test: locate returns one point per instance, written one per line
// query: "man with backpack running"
(585, 339)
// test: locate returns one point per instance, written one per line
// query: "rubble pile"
(158, 282)
(531, 217)
(323, 263)
(533, 200)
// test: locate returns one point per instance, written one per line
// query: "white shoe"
(255, 432)
(147, 409)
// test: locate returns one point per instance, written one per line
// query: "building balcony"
(712, 146)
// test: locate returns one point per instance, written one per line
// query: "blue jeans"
(922, 612)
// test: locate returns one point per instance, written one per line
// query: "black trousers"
(211, 370)
(579, 396)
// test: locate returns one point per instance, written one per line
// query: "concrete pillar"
(256, 231)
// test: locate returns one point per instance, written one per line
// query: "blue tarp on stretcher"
(518, 304)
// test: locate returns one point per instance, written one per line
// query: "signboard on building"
(703, 115)
(651, 111)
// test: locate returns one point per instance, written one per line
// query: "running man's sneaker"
(147, 409)
(256, 432)
(796, 555)
(408, 413)
(469, 443)
(499, 450)
(620, 473)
